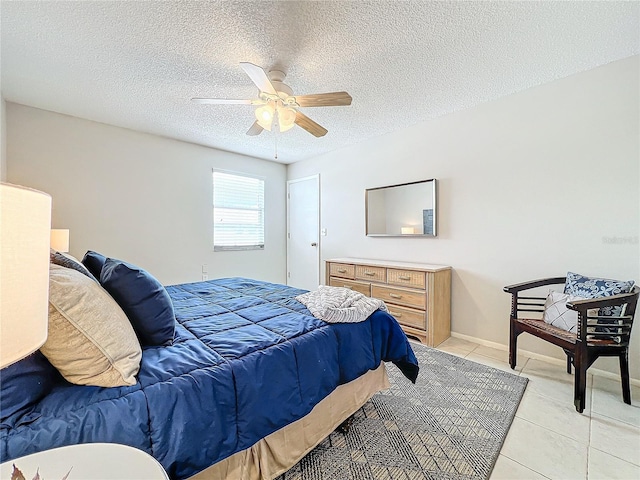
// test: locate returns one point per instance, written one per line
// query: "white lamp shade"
(264, 115)
(25, 222)
(286, 118)
(60, 239)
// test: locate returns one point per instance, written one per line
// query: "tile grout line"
(525, 364)
(524, 466)
(469, 352)
(616, 457)
(614, 419)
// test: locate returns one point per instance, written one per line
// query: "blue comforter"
(247, 360)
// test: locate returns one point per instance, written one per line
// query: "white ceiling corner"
(136, 64)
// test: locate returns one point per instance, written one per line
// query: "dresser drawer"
(374, 274)
(343, 270)
(408, 278)
(400, 296)
(409, 316)
(362, 287)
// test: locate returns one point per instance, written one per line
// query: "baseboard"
(538, 356)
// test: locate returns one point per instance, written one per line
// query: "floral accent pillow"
(588, 287)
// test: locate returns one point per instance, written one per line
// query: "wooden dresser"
(418, 295)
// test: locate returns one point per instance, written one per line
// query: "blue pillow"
(23, 385)
(144, 300)
(94, 262)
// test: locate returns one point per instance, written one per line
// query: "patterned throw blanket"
(340, 305)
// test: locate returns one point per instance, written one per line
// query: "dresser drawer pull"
(397, 315)
(342, 270)
(346, 286)
(404, 277)
(370, 274)
(393, 295)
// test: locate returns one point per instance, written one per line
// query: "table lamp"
(25, 223)
(60, 239)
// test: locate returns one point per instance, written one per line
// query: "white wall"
(138, 197)
(3, 141)
(530, 186)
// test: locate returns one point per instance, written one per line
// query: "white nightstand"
(88, 461)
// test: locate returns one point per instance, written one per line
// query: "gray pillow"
(90, 340)
(68, 261)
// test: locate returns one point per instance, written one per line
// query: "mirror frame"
(410, 235)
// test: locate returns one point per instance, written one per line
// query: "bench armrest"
(611, 301)
(533, 284)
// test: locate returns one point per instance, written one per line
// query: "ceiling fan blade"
(309, 125)
(324, 99)
(223, 101)
(255, 129)
(259, 77)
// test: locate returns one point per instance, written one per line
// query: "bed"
(250, 375)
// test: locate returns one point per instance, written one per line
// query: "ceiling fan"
(277, 104)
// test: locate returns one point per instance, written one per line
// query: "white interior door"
(303, 239)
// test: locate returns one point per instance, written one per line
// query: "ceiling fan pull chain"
(275, 136)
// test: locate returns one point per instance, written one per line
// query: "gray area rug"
(450, 425)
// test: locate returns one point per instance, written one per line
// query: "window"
(238, 212)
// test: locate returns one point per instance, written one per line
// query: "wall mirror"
(407, 209)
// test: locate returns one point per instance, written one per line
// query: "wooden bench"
(583, 347)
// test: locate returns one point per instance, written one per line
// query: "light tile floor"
(548, 438)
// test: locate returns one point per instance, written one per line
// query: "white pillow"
(557, 314)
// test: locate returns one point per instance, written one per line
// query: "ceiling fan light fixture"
(284, 128)
(286, 118)
(264, 115)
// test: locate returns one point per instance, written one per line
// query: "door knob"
(314, 244)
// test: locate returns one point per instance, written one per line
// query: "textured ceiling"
(136, 64)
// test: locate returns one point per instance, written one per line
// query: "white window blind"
(238, 212)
